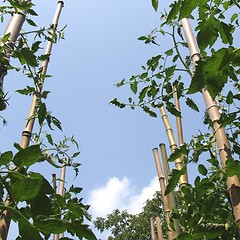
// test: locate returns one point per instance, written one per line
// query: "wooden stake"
(178, 162)
(166, 205)
(153, 235)
(14, 27)
(233, 183)
(159, 228)
(171, 196)
(61, 190)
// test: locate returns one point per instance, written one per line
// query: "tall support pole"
(178, 162)
(18, 19)
(61, 189)
(171, 233)
(171, 196)
(27, 132)
(179, 125)
(153, 234)
(159, 228)
(233, 183)
(13, 28)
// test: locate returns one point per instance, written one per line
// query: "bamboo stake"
(233, 183)
(178, 162)
(14, 27)
(166, 205)
(153, 235)
(171, 196)
(159, 228)
(27, 132)
(61, 189)
(179, 125)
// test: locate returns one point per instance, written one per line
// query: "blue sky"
(100, 49)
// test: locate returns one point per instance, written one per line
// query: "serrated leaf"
(175, 7)
(225, 33)
(42, 113)
(149, 111)
(133, 86)
(175, 155)
(187, 7)
(192, 104)
(143, 93)
(173, 180)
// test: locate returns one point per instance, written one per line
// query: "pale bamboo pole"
(233, 183)
(13, 28)
(167, 209)
(61, 190)
(178, 162)
(179, 125)
(153, 234)
(159, 228)
(171, 196)
(27, 132)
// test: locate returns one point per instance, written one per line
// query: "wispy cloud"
(120, 194)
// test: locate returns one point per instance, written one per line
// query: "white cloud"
(120, 194)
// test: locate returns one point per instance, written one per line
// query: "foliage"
(124, 225)
(206, 212)
(33, 203)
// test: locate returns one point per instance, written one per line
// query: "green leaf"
(149, 111)
(229, 99)
(49, 138)
(174, 178)
(208, 32)
(5, 38)
(28, 156)
(26, 188)
(225, 33)
(169, 52)
(6, 158)
(202, 169)
(175, 8)
(175, 155)
(115, 102)
(187, 7)
(42, 113)
(155, 4)
(192, 104)
(133, 86)
(41, 206)
(198, 81)
(27, 231)
(51, 225)
(143, 93)
(232, 168)
(26, 91)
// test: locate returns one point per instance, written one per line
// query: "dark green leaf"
(143, 93)
(229, 98)
(187, 7)
(133, 86)
(202, 169)
(28, 156)
(27, 231)
(192, 104)
(155, 4)
(232, 167)
(5, 158)
(174, 178)
(225, 33)
(42, 113)
(149, 111)
(175, 155)
(175, 7)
